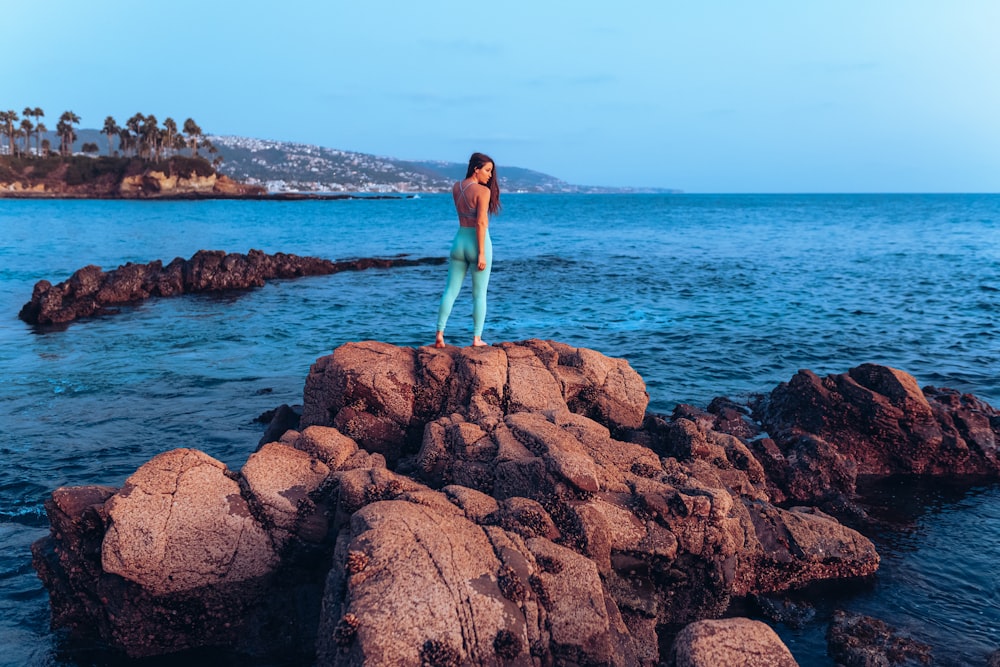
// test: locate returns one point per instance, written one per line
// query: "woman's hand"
(481, 264)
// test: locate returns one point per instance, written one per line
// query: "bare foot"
(439, 339)
(478, 342)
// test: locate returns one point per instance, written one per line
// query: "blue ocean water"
(704, 295)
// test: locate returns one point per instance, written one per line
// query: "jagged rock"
(92, 291)
(730, 642)
(474, 506)
(280, 420)
(857, 640)
(871, 421)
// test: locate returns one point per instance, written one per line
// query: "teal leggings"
(464, 256)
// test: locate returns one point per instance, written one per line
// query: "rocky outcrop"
(120, 178)
(92, 291)
(508, 504)
(873, 421)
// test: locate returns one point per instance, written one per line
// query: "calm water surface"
(704, 295)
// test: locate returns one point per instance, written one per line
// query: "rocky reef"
(514, 504)
(92, 291)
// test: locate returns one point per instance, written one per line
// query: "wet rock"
(92, 291)
(283, 418)
(855, 640)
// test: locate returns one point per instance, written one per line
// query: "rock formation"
(120, 178)
(92, 291)
(511, 504)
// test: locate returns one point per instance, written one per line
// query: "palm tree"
(67, 135)
(110, 129)
(35, 113)
(169, 132)
(150, 132)
(28, 127)
(134, 125)
(193, 132)
(125, 140)
(40, 129)
(18, 137)
(8, 118)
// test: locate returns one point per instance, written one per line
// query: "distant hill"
(293, 167)
(284, 165)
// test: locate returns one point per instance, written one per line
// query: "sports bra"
(470, 212)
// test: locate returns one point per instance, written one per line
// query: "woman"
(476, 198)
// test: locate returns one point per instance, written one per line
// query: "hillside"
(283, 165)
(294, 167)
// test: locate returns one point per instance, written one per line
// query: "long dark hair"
(475, 162)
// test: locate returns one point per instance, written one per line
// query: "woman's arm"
(482, 222)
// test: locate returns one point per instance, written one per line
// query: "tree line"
(141, 136)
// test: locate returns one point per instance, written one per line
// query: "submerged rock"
(513, 503)
(854, 639)
(92, 291)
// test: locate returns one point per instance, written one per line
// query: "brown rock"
(872, 421)
(429, 578)
(282, 481)
(90, 291)
(730, 642)
(180, 523)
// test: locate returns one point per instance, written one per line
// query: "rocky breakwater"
(513, 504)
(92, 291)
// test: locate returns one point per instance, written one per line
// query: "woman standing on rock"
(476, 198)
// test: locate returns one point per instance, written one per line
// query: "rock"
(871, 421)
(91, 291)
(854, 639)
(366, 390)
(281, 419)
(180, 523)
(69, 559)
(510, 504)
(730, 642)
(282, 481)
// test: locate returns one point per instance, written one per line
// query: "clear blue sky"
(714, 96)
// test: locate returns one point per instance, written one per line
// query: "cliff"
(118, 178)
(512, 504)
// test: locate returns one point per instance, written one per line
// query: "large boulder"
(180, 523)
(873, 421)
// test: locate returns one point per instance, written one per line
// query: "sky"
(716, 96)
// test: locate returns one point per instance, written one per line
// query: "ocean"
(705, 295)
